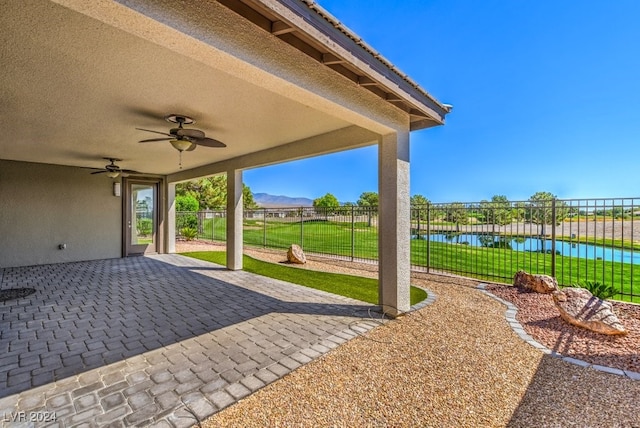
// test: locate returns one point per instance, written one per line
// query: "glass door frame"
(128, 248)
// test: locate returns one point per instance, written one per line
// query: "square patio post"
(170, 224)
(394, 241)
(234, 219)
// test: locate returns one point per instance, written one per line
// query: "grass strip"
(355, 287)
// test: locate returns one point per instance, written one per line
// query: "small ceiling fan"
(112, 170)
(183, 138)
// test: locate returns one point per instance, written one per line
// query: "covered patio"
(274, 80)
(157, 338)
(134, 339)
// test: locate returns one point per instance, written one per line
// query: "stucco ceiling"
(73, 90)
(79, 77)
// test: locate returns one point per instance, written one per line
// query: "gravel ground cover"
(540, 318)
(455, 363)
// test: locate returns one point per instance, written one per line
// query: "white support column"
(394, 223)
(234, 219)
(170, 228)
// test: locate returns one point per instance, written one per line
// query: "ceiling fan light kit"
(181, 145)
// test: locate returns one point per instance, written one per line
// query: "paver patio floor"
(164, 340)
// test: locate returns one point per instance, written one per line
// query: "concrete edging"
(431, 297)
(510, 316)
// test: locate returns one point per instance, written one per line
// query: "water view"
(535, 244)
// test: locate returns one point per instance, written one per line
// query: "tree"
(518, 211)
(247, 198)
(456, 212)
(419, 206)
(211, 192)
(326, 204)
(497, 211)
(368, 199)
(540, 210)
(187, 203)
(419, 209)
(326, 201)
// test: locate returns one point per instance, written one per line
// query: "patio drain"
(15, 293)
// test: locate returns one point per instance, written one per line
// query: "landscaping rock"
(579, 307)
(544, 284)
(296, 255)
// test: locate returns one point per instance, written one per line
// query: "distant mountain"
(266, 200)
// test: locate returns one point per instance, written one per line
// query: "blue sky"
(546, 97)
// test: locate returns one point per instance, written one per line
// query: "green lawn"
(355, 287)
(497, 264)
(500, 265)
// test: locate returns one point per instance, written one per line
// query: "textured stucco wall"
(42, 206)
(395, 222)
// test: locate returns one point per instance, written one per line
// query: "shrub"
(598, 289)
(189, 233)
(187, 203)
(144, 226)
(186, 220)
(186, 208)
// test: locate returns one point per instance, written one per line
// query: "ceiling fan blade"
(155, 132)
(99, 172)
(191, 133)
(129, 171)
(192, 148)
(208, 142)
(155, 139)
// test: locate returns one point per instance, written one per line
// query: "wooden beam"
(423, 124)
(330, 59)
(366, 81)
(279, 27)
(418, 113)
(393, 98)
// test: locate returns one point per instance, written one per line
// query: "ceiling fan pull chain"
(180, 159)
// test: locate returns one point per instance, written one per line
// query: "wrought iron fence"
(574, 240)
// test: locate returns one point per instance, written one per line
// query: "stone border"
(510, 316)
(372, 323)
(431, 297)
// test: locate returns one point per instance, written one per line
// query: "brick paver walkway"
(162, 340)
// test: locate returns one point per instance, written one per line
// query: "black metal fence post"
(553, 237)
(301, 228)
(264, 228)
(201, 217)
(353, 233)
(428, 237)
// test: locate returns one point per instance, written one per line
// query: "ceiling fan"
(183, 138)
(112, 170)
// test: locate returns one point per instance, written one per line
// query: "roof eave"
(309, 20)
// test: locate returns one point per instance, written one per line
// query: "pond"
(535, 244)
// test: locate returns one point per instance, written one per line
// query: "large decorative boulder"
(296, 255)
(544, 284)
(579, 307)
